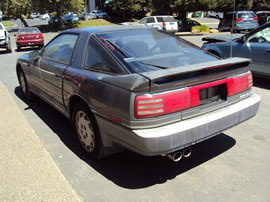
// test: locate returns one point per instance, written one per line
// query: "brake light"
(164, 24)
(39, 36)
(19, 37)
(239, 20)
(160, 104)
(152, 105)
(256, 19)
(240, 83)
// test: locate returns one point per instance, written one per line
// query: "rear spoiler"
(213, 40)
(180, 76)
(196, 73)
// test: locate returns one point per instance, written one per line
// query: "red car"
(29, 37)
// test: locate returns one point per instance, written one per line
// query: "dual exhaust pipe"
(178, 155)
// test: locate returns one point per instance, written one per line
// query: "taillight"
(239, 20)
(164, 24)
(240, 83)
(152, 105)
(256, 19)
(39, 36)
(19, 37)
(160, 104)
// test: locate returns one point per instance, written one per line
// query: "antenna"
(232, 27)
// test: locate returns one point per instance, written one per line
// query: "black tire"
(23, 84)
(18, 48)
(87, 131)
(9, 49)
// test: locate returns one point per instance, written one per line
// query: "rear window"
(1, 27)
(166, 19)
(246, 15)
(29, 31)
(148, 49)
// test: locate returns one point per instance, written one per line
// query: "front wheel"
(23, 84)
(87, 131)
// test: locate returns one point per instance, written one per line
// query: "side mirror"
(243, 39)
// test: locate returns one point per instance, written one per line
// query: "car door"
(55, 58)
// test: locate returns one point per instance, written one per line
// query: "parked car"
(99, 13)
(138, 88)
(254, 45)
(166, 22)
(238, 21)
(34, 15)
(53, 20)
(189, 24)
(45, 16)
(218, 15)
(29, 37)
(89, 16)
(4, 39)
(263, 17)
(70, 18)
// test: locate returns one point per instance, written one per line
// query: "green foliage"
(126, 9)
(7, 24)
(202, 28)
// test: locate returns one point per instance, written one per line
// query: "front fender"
(214, 50)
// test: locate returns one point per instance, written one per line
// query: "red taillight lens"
(239, 20)
(19, 37)
(164, 103)
(240, 83)
(160, 104)
(164, 24)
(256, 19)
(39, 36)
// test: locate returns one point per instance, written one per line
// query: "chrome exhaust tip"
(187, 152)
(175, 156)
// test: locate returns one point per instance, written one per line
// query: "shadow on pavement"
(261, 82)
(127, 169)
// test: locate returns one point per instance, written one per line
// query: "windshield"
(149, 49)
(29, 31)
(246, 15)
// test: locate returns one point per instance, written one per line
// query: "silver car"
(254, 45)
(166, 22)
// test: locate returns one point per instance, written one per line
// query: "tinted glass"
(166, 19)
(1, 26)
(145, 49)
(29, 31)
(246, 15)
(61, 48)
(150, 20)
(98, 60)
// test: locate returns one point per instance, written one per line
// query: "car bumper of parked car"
(246, 26)
(175, 136)
(37, 42)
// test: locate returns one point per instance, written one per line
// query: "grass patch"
(91, 23)
(7, 24)
(202, 28)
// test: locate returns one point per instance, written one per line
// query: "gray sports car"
(138, 88)
(254, 45)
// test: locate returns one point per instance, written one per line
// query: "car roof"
(98, 29)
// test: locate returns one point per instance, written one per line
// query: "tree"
(59, 6)
(261, 5)
(126, 9)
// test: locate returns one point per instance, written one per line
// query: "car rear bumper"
(246, 26)
(175, 136)
(36, 42)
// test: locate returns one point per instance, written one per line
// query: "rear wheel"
(87, 131)
(18, 48)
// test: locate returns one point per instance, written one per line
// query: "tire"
(18, 48)
(87, 131)
(23, 84)
(9, 49)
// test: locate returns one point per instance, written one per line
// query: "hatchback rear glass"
(246, 15)
(148, 49)
(166, 19)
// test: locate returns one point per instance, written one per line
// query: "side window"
(143, 21)
(150, 20)
(61, 48)
(96, 59)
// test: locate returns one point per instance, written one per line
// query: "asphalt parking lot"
(233, 166)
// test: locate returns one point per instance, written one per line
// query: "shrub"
(202, 28)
